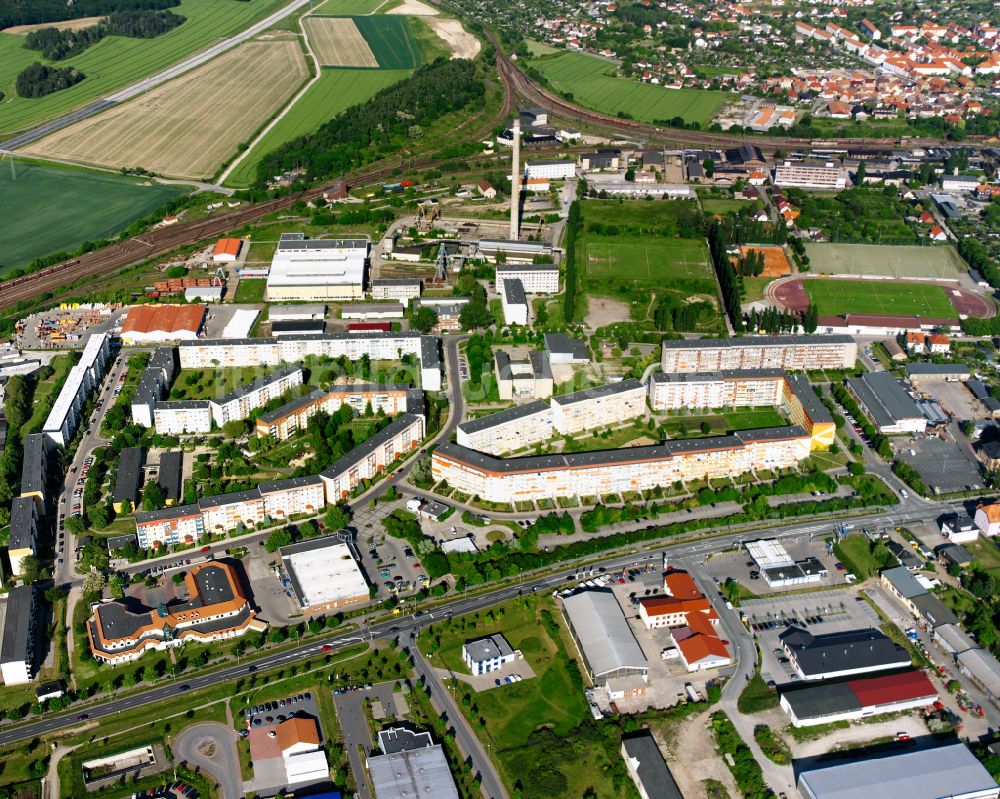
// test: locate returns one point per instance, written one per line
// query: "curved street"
(210, 747)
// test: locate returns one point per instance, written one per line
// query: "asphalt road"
(223, 764)
(152, 81)
(693, 551)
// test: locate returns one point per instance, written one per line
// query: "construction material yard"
(189, 127)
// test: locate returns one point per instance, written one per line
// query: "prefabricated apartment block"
(795, 353)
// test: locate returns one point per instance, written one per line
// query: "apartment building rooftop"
(598, 392)
(504, 416)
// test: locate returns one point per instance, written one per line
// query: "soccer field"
(46, 209)
(887, 260)
(835, 297)
(657, 263)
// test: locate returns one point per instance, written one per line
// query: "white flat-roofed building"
(296, 495)
(325, 574)
(83, 379)
(176, 525)
(487, 654)
(228, 511)
(240, 323)
(516, 252)
(238, 404)
(317, 269)
(419, 773)
(809, 176)
(215, 353)
(507, 480)
(182, 417)
(944, 772)
(372, 310)
(794, 353)
(514, 302)
(400, 289)
(730, 389)
(371, 458)
(508, 430)
(610, 404)
(530, 378)
(391, 399)
(603, 637)
(535, 278)
(551, 169)
(299, 312)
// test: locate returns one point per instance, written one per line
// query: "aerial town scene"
(452, 399)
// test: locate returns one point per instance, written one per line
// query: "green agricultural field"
(835, 297)
(117, 61)
(335, 91)
(592, 83)
(540, 48)
(348, 8)
(46, 209)
(886, 260)
(391, 40)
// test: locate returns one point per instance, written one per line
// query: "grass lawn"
(346, 8)
(45, 394)
(119, 60)
(755, 288)
(538, 48)
(50, 208)
(591, 81)
(985, 551)
(690, 426)
(722, 206)
(195, 384)
(531, 725)
(892, 260)
(390, 39)
(335, 91)
(251, 290)
(651, 261)
(834, 297)
(855, 554)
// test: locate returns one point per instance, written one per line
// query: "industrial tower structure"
(515, 182)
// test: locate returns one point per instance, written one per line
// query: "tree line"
(384, 124)
(39, 79)
(34, 12)
(56, 44)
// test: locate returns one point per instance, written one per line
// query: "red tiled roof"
(680, 585)
(227, 247)
(891, 688)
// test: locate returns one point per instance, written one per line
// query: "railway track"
(532, 92)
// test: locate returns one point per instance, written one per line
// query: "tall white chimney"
(515, 182)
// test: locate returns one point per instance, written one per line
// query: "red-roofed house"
(937, 234)
(938, 344)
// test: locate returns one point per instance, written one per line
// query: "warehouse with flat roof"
(325, 574)
(886, 403)
(950, 772)
(809, 705)
(603, 636)
(317, 269)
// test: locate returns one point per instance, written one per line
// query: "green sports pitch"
(654, 262)
(834, 297)
(886, 260)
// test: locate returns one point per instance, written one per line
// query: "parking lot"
(388, 562)
(944, 465)
(738, 565)
(279, 710)
(819, 612)
(954, 398)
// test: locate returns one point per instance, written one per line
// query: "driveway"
(212, 747)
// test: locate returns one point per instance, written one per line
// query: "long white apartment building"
(535, 278)
(612, 403)
(794, 353)
(810, 176)
(82, 380)
(508, 430)
(613, 471)
(746, 388)
(391, 399)
(215, 353)
(182, 417)
(526, 425)
(276, 501)
(317, 269)
(238, 404)
(370, 458)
